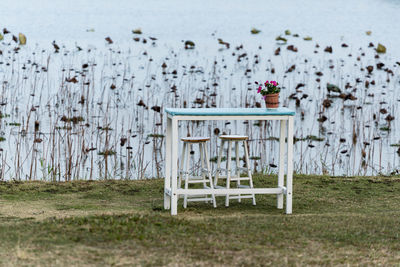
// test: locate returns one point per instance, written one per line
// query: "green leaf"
(333, 88)
(368, 32)
(1, 37)
(189, 44)
(280, 38)
(255, 31)
(307, 38)
(381, 49)
(22, 39)
(137, 31)
(287, 32)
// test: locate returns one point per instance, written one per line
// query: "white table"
(174, 115)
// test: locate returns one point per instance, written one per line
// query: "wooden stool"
(236, 176)
(205, 170)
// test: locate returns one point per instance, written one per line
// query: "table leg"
(174, 167)
(167, 179)
(289, 176)
(281, 172)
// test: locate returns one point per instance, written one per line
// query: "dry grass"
(336, 221)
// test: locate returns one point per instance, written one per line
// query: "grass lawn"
(335, 221)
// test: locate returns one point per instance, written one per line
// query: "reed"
(97, 113)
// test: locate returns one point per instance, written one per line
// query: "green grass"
(335, 221)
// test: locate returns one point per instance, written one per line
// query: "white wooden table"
(174, 115)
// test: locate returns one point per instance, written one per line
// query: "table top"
(229, 111)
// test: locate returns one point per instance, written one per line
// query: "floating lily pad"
(109, 40)
(106, 128)
(90, 30)
(280, 38)
(328, 49)
(137, 31)
(215, 159)
(22, 39)
(189, 44)
(4, 115)
(309, 138)
(1, 37)
(287, 32)
(156, 135)
(220, 41)
(314, 138)
(74, 119)
(292, 48)
(381, 49)
(255, 31)
(68, 128)
(107, 152)
(333, 88)
(368, 32)
(307, 38)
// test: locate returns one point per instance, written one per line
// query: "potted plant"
(270, 93)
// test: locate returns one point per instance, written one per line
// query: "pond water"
(94, 109)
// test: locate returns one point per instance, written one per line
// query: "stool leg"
(237, 166)
(246, 154)
(209, 175)
(182, 165)
(221, 149)
(201, 147)
(228, 172)
(186, 175)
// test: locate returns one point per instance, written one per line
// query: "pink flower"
(259, 89)
(266, 83)
(273, 82)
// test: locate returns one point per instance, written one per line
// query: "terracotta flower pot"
(272, 100)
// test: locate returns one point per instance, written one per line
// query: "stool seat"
(195, 139)
(234, 137)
